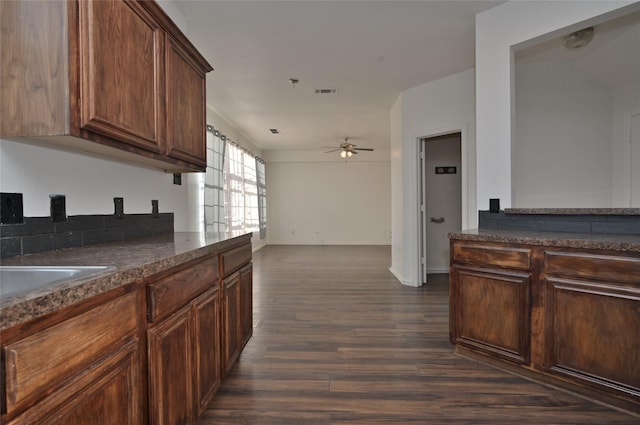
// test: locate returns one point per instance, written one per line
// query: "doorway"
(440, 203)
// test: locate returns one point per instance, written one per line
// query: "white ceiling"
(369, 51)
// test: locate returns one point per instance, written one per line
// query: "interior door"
(441, 200)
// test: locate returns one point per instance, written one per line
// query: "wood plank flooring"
(337, 340)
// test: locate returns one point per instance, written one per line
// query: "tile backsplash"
(568, 223)
(38, 234)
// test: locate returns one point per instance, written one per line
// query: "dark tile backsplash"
(578, 223)
(38, 234)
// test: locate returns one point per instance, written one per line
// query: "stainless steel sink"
(17, 279)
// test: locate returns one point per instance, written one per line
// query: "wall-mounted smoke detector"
(326, 91)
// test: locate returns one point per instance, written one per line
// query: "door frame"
(464, 165)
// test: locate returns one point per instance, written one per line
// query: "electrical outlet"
(58, 206)
(118, 207)
(11, 211)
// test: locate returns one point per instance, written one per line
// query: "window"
(234, 188)
(241, 190)
(214, 182)
(262, 196)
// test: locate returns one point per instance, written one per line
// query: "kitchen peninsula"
(552, 294)
(148, 340)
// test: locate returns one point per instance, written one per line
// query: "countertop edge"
(619, 243)
(16, 310)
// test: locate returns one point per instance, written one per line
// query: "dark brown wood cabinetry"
(71, 370)
(564, 314)
(592, 319)
(115, 78)
(237, 303)
(183, 342)
(149, 352)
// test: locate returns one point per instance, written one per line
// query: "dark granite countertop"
(625, 243)
(128, 262)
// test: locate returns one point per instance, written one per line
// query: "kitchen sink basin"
(17, 279)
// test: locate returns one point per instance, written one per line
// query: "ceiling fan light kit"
(346, 149)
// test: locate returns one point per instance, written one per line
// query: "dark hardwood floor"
(337, 340)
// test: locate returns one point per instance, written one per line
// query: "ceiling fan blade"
(333, 150)
(363, 149)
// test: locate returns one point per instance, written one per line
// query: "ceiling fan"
(346, 149)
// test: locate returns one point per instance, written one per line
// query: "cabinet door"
(170, 369)
(592, 319)
(121, 94)
(185, 99)
(246, 304)
(490, 311)
(231, 321)
(109, 394)
(208, 367)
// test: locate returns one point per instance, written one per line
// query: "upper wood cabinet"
(115, 78)
(121, 73)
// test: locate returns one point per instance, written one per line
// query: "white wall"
(442, 106)
(315, 198)
(561, 150)
(89, 183)
(625, 100)
(397, 191)
(497, 30)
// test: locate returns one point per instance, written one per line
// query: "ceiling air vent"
(326, 91)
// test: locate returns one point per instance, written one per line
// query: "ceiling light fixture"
(578, 39)
(346, 153)
(293, 81)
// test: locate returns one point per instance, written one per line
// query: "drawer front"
(234, 259)
(494, 256)
(608, 268)
(173, 291)
(36, 364)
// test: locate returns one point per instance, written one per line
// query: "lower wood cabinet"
(101, 362)
(80, 368)
(237, 314)
(246, 304)
(195, 333)
(110, 394)
(492, 310)
(207, 347)
(231, 321)
(568, 315)
(184, 361)
(170, 370)
(592, 319)
(184, 356)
